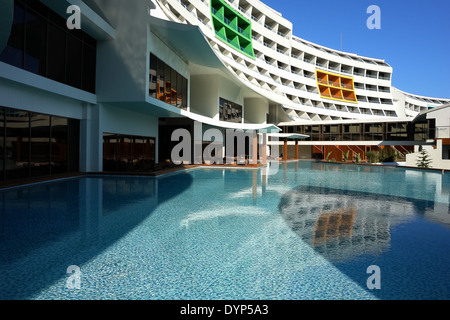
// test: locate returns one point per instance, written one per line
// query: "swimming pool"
(309, 232)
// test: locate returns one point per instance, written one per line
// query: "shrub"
(372, 156)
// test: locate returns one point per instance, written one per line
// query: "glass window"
(229, 111)
(2, 143)
(152, 76)
(110, 152)
(184, 102)
(173, 93)
(73, 154)
(59, 145)
(89, 67)
(37, 144)
(13, 53)
(128, 153)
(179, 90)
(35, 43)
(40, 144)
(17, 144)
(74, 60)
(56, 53)
(166, 84)
(160, 77)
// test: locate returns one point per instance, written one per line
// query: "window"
(33, 144)
(40, 144)
(166, 84)
(351, 132)
(17, 144)
(14, 51)
(56, 53)
(36, 34)
(229, 111)
(125, 153)
(373, 131)
(41, 43)
(74, 61)
(397, 131)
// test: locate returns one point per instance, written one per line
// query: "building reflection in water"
(343, 224)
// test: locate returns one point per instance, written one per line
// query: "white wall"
(256, 110)
(122, 64)
(434, 154)
(204, 95)
(206, 91)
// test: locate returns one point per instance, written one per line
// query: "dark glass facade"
(387, 131)
(35, 145)
(166, 84)
(40, 42)
(125, 153)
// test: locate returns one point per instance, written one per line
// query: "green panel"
(232, 28)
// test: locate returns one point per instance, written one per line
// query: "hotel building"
(108, 97)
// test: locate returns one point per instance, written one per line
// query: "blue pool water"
(308, 232)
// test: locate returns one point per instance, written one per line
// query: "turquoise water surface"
(310, 231)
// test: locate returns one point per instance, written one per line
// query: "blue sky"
(414, 37)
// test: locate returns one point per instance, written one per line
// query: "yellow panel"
(338, 83)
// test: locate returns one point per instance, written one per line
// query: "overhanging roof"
(187, 41)
(262, 128)
(288, 135)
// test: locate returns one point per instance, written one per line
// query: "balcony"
(337, 87)
(231, 27)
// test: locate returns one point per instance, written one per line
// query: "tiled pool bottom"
(308, 232)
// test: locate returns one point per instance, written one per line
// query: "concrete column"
(255, 148)
(264, 149)
(285, 150)
(91, 140)
(296, 149)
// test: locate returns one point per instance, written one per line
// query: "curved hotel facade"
(108, 97)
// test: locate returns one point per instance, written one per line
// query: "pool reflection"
(343, 224)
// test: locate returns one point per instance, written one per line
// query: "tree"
(424, 159)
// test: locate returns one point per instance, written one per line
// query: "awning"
(288, 135)
(261, 128)
(187, 40)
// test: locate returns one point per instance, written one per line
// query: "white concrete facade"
(283, 70)
(439, 153)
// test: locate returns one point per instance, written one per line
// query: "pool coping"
(184, 168)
